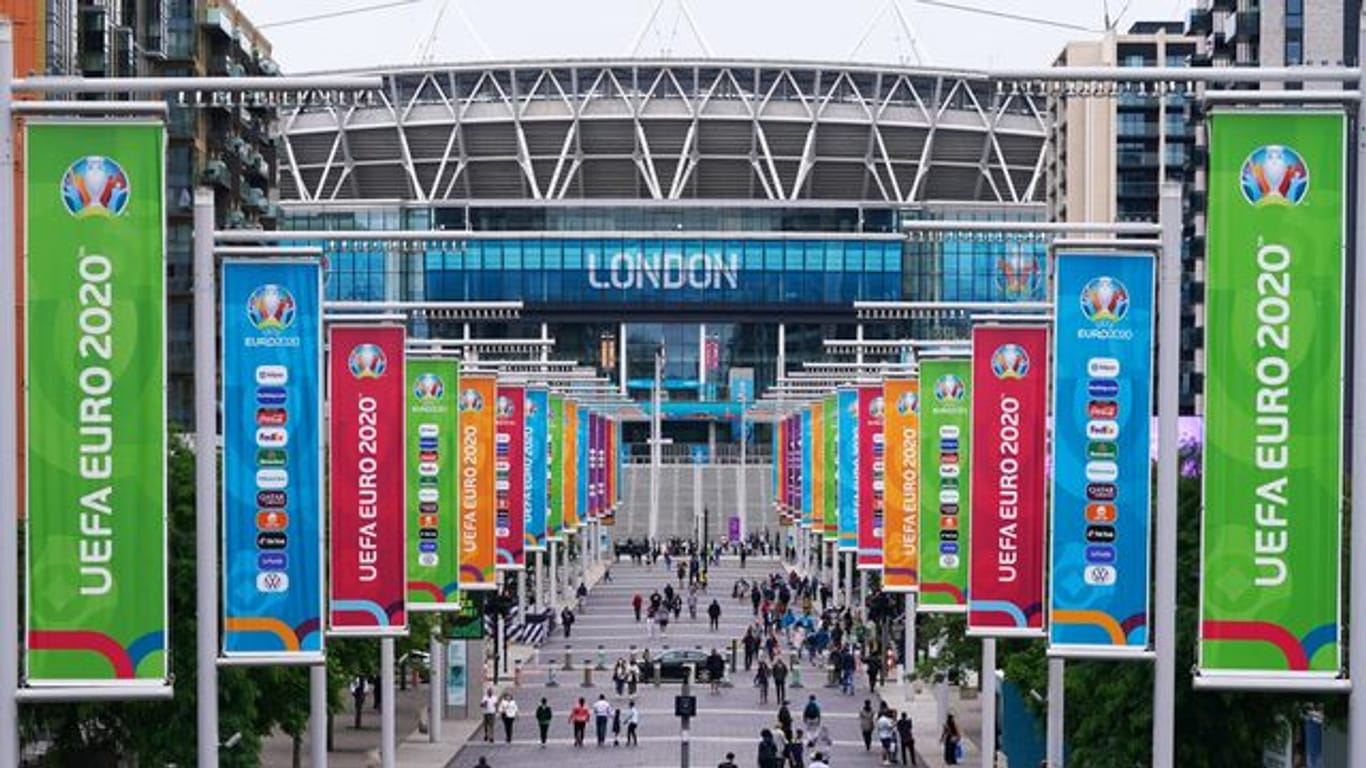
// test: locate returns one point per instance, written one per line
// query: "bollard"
(568, 659)
(550, 681)
(602, 659)
(659, 673)
(517, 674)
(587, 676)
(734, 645)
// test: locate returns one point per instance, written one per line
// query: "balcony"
(1247, 26)
(1198, 22)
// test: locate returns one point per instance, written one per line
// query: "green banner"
(1271, 552)
(433, 530)
(945, 407)
(96, 378)
(830, 427)
(554, 526)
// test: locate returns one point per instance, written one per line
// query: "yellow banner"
(901, 532)
(478, 542)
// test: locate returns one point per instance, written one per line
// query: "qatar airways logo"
(666, 272)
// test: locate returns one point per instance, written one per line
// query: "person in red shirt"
(635, 604)
(578, 717)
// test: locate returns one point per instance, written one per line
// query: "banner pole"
(1356, 628)
(386, 681)
(9, 431)
(206, 478)
(1057, 710)
(1168, 377)
(437, 683)
(908, 666)
(317, 716)
(988, 745)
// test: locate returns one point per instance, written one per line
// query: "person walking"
(811, 715)
(751, 644)
(768, 750)
(866, 721)
(729, 762)
(619, 675)
(950, 737)
(872, 664)
(847, 665)
(636, 602)
(632, 676)
(761, 681)
(616, 727)
(716, 670)
(885, 728)
(819, 761)
(507, 711)
(602, 713)
(905, 734)
(780, 679)
(489, 706)
(543, 718)
(785, 719)
(578, 717)
(632, 724)
(567, 621)
(692, 604)
(796, 751)
(714, 613)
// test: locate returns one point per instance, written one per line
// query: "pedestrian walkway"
(727, 722)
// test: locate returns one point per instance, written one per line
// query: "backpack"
(812, 711)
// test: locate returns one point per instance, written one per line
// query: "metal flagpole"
(656, 435)
(742, 472)
(317, 716)
(9, 409)
(908, 667)
(206, 479)
(386, 707)
(1356, 627)
(437, 675)
(1168, 377)
(1057, 708)
(988, 744)
(553, 585)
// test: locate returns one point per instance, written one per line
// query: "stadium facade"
(730, 211)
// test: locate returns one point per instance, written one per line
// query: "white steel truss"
(671, 130)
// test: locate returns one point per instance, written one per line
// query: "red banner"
(369, 571)
(1009, 519)
(478, 509)
(871, 459)
(510, 474)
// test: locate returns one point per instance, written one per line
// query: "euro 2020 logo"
(908, 403)
(503, 409)
(271, 308)
(471, 400)
(367, 361)
(95, 186)
(1104, 300)
(1019, 274)
(1274, 175)
(429, 388)
(949, 388)
(877, 408)
(1010, 361)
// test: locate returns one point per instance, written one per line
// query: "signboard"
(901, 536)
(457, 674)
(846, 403)
(870, 482)
(272, 460)
(367, 415)
(478, 542)
(1101, 517)
(537, 472)
(510, 477)
(1270, 594)
(95, 464)
(554, 527)
(945, 494)
(1009, 427)
(433, 463)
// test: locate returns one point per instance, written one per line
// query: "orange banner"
(478, 542)
(901, 534)
(571, 467)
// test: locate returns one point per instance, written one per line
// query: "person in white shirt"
(507, 710)
(818, 761)
(489, 706)
(602, 714)
(632, 723)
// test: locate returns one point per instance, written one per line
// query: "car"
(631, 548)
(673, 665)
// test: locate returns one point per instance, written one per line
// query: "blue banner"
(272, 461)
(1102, 403)
(846, 467)
(805, 458)
(537, 467)
(581, 437)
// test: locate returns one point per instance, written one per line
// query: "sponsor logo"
(271, 417)
(272, 437)
(271, 499)
(1273, 175)
(948, 561)
(948, 534)
(272, 581)
(427, 533)
(1104, 300)
(272, 519)
(1102, 409)
(1102, 429)
(428, 559)
(950, 388)
(270, 396)
(1100, 554)
(428, 431)
(1019, 275)
(1100, 575)
(948, 496)
(949, 432)
(948, 548)
(427, 508)
(271, 540)
(428, 469)
(471, 400)
(948, 510)
(949, 445)
(948, 458)
(428, 495)
(1102, 471)
(1100, 492)
(426, 546)
(948, 470)
(272, 479)
(427, 456)
(908, 403)
(949, 523)
(427, 521)
(1102, 367)
(428, 481)
(271, 308)
(1100, 534)
(272, 375)
(1103, 388)
(1100, 513)
(272, 561)
(95, 186)
(428, 389)
(271, 457)
(1010, 361)
(367, 361)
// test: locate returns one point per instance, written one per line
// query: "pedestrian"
(616, 727)
(784, 719)
(632, 723)
(761, 681)
(543, 718)
(489, 706)
(847, 665)
(483, 763)
(581, 593)
(819, 761)
(872, 663)
(729, 762)
(866, 721)
(811, 715)
(751, 644)
(755, 596)
(567, 620)
(578, 717)
(692, 604)
(507, 710)
(950, 737)
(905, 733)
(636, 602)
(632, 676)
(619, 675)
(663, 623)
(796, 751)
(358, 697)
(780, 679)
(602, 713)
(714, 613)
(886, 733)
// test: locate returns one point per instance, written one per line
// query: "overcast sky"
(483, 30)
